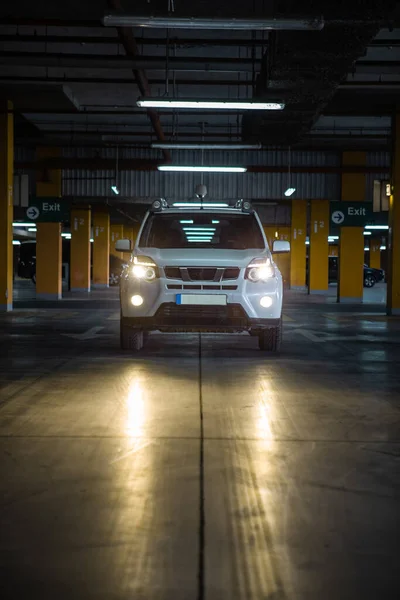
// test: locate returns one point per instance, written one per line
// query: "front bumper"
(177, 318)
(243, 311)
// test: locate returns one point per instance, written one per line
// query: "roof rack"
(244, 205)
(159, 205)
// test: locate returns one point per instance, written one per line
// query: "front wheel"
(369, 281)
(130, 339)
(270, 340)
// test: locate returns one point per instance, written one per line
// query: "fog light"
(137, 300)
(266, 301)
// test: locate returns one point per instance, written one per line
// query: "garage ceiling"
(75, 82)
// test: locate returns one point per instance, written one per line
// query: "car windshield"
(200, 229)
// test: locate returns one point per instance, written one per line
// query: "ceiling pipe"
(130, 46)
(214, 23)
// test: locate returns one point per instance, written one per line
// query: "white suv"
(201, 269)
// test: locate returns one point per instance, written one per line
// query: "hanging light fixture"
(290, 190)
(209, 104)
(114, 186)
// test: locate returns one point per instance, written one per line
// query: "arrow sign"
(32, 212)
(90, 334)
(338, 217)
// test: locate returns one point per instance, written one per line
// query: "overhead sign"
(351, 214)
(48, 210)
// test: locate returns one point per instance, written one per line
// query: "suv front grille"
(214, 274)
(198, 315)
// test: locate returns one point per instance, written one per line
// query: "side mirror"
(280, 246)
(123, 246)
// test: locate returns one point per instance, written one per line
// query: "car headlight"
(260, 269)
(144, 268)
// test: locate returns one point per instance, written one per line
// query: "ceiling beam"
(113, 40)
(110, 61)
(128, 41)
(124, 164)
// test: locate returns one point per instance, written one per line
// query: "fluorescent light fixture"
(187, 222)
(366, 249)
(333, 237)
(115, 189)
(382, 248)
(171, 21)
(33, 229)
(367, 233)
(196, 240)
(290, 191)
(194, 146)
(198, 169)
(16, 224)
(199, 205)
(92, 240)
(16, 243)
(209, 104)
(67, 236)
(377, 227)
(307, 243)
(214, 222)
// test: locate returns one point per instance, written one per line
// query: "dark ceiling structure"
(75, 81)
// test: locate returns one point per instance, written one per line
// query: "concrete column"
(48, 236)
(298, 245)
(101, 250)
(375, 254)
(49, 259)
(117, 233)
(351, 244)
(80, 249)
(351, 261)
(393, 290)
(6, 204)
(319, 247)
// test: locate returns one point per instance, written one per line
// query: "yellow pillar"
(6, 205)
(80, 249)
(351, 261)
(298, 245)
(375, 254)
(48, 261)
(351, 242)
(117, 233)
(101, 249)
(319, 247)
(393, 288)
(48, 236)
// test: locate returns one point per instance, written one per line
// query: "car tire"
(369, 281)
(270, 340)
(130, 339)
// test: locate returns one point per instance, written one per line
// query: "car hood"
(208, 257)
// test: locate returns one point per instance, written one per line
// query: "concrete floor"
(202, 468)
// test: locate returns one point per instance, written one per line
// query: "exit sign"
(48, 210)
(351, 214)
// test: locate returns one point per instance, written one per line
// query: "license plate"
(202, 299)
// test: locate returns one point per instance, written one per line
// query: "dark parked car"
(371, 276)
